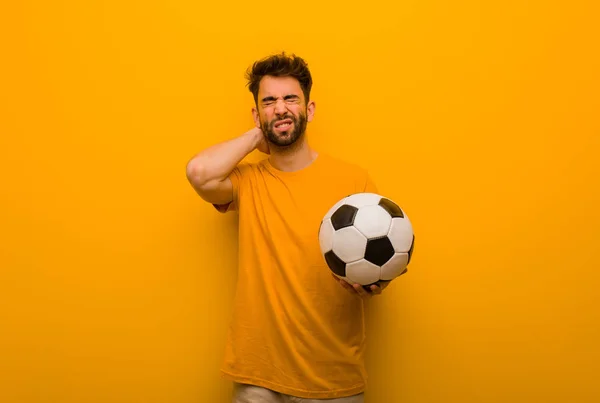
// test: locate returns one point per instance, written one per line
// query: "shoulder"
(242, 178)
(349, 173)
(342, 165)
(248, 168)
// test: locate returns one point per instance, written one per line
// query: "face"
(282, 112)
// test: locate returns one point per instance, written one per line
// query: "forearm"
(217, 162)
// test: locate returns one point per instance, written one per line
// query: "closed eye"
(268, 100)
(288, 98)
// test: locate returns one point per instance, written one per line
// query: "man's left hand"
(375, 289)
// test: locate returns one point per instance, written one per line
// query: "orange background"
(479, 118)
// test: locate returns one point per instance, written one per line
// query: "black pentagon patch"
(343, 216)
(410, 251)
(336, 264)
(379, 250)
(392, 208)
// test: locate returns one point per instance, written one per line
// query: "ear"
(256, 117)
(310, 111)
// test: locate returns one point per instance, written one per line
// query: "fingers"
(349, 287)
(343, 283)
(375, 289)
(358, 289)
(365, 291)
(371, 290)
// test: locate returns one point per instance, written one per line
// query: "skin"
(281, 98)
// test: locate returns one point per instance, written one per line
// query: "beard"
(287, 140)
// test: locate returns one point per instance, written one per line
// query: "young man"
(297, 332)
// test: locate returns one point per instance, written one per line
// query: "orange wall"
(480, 118)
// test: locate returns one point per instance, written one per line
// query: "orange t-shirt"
(294, 329)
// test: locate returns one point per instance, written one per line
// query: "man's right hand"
(208, 171)
(262, 145)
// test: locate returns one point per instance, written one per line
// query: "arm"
(208, 171)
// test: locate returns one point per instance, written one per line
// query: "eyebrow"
(272, 98)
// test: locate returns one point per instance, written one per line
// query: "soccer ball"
(366, 238)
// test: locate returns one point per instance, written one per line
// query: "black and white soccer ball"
(366, 238)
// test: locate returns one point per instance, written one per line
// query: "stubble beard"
(285, 142)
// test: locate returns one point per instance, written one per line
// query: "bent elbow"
(195, 173)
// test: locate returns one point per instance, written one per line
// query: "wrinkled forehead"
(279, 87)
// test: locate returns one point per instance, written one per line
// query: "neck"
(294, 158)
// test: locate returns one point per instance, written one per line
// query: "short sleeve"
(236, 178)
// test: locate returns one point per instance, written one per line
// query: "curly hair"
(280, 65)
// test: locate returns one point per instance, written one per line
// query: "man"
(297, 332)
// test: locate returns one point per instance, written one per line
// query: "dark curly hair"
(280, 65)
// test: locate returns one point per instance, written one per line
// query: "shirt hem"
(302, 393)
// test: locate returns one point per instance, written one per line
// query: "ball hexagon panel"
(326, 236)
(336, 264)
(401, 234)
(362, 272)
(349, 244)
(373, 221)
(343, 216)
(334, 208)
(359, 200)
(394, 267)
(379, 251)
(392, 208)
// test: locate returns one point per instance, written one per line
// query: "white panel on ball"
(362, 272)
(326, 236)
(334, 208)
(349, 244)
(359, 200)
(401, 234)
(394, 267)
(373, 221)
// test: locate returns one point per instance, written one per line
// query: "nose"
(280, 107)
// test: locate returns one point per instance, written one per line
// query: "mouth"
(283, 125)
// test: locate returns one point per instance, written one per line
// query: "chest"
(287, 214)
